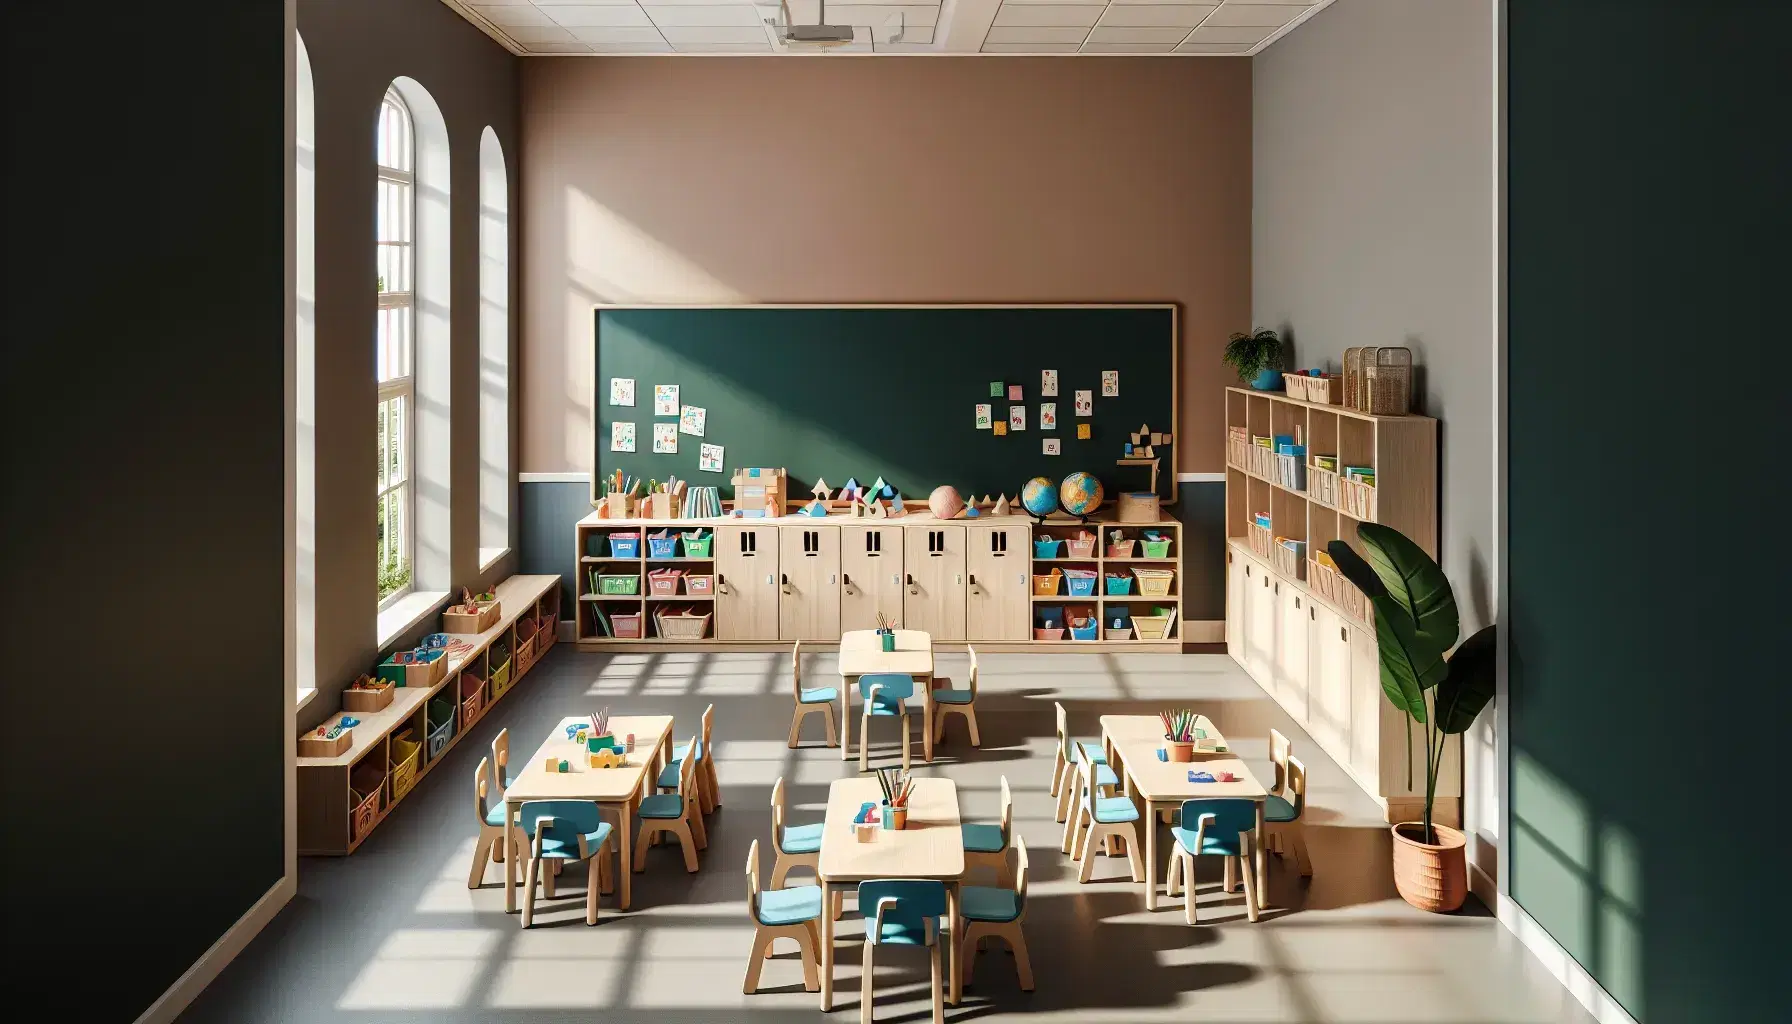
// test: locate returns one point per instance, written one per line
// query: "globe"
(1039, 497)
(1080, 494)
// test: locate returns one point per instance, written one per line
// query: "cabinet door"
(746, 582)
(1366, 702)
(870, 575)
(1236, 578)
(996, 590)
(1291, 648)
(1328, 681)
(934, 568)
(809, 583)
(1260, 627)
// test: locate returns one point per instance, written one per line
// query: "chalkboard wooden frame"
(1111, 442)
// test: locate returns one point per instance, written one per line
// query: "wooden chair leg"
(607, 876)
(549, 876)
(762, 944)
(809, 946)
(1069, 816)
(705, 803)
(865, 985)
(827, 716)
(1230, 879)
(970, 720)
(1250, 885)
(648, 829)
(1133, 854)
(939, 990)
(1088, 861)
(1085, 835)
(1171, 874)
(839, 907)
(865, 739)
(481, 850)
(1023, 964)
(593, 885)
(1066, 798)
(715, 781)
(534, 869)
(967, 949)
(687, 844)
(1187, 860)
(699, 829)
(796, 726)
(1301, 860)
(903, 720)
(1058, 775)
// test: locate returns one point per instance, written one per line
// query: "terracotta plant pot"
(1181, 753)
(1431, 877)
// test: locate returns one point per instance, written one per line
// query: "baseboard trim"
(1567, 970)
(566, 629)
(206, 969)
(1483, 886)
(1204, 631)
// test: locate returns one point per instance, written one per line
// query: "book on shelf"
(1326, 462)
(600, 620)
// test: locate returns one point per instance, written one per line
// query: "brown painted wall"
(356, 50)
(890, 180)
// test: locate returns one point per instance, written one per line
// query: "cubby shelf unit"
(333, 789)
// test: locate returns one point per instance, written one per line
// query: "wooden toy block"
(759, 492)
(1002, 508)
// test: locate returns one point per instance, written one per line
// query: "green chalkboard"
(867, 391)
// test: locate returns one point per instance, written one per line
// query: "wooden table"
(862, 654)
(931, 847)
(618, 788)
(1131, 743)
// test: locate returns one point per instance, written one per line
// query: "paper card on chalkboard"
(995, 389)
(622, 391)
(1017, 417)
(1048, 415)
(983, 416)
(1048, 383)
(1015, 392)
(665, 399)
(1110, 383)
(665, 439)
(709, 458)
(691, 420)
(1053, 446)
(1085, 403)
(1000, 428)
(1082, 431)
(622, 437)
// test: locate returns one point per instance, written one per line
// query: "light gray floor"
(393, 934)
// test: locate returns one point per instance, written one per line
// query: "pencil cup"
(631, 742)
(894, 817)
(866, 832)
(889, 641)
(1181, 753)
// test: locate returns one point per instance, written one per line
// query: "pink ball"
(945, 502)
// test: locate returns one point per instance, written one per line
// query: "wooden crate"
(313, 745)
(365, 701)
(460, 622)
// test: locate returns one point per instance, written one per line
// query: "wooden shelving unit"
(1301, 631)
(331, 789)
(792, 578)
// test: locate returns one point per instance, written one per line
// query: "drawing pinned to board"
(1014, 393)
(995, 389)
(1085, 403)
(1110, 383)
(709, 458)
(691, 419)
(983, 416)
(1048, 383)
(622, 391)
(665, 439)
(1053, 446)
(999, 428)
(622, 437)
(1017, 417)
(1048, 415)
(665, 399)
(1082, 431)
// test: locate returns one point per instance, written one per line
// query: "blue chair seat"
(819, 695)
(1220, 845)
(885, 709)
(794, 905)
(664, 805)
(1278, 809)
(1104, 776)
(983, 838)
(901, 930)
(801, 839)
(985, 903)
(669, 775)
(952, 696)
(495, 816)
(1111, 810)
(560, 849)
(1093, 753)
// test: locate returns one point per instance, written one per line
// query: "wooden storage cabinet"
(747, 584)
(809, 583)
(1291, 648)
(996, 586)
(933, 572)
(871, 570)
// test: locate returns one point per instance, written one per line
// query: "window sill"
(488, 557)
(306, 696)
(407, 613)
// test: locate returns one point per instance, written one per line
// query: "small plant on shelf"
(1257, 357)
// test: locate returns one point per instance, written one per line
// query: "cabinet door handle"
(1297, 604)
(846, 581)
(1312, 616)
(1277, 588)
(911, 584)
(1343, 634)
(784, 581)
(721, 583)
(1247, 568)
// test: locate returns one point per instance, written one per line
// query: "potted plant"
(1257, 357)
(1416, 625)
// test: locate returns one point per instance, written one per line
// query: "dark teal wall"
(1648, 222)
(144, 324)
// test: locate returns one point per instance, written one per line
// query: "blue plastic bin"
(662, 545)
(1119, 585)
(1049, 616)
(625, 545)
(1046, 547)
(1087, 632)
(1082, 582)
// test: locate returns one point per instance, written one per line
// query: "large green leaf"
(1411, 662)
(1469, 685)
(1354, 568)
(1415, 582)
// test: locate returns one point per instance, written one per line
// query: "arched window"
(395, 154)
(494, 351)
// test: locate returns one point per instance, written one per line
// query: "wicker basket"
(1353, 375)
(365, 815)
(1332, 586)
(404, 764)
(1154, 582)
(1356, 499)
(1325, 389)
(685, 625)
(1151, 627)
(1261, 539)
(1287, 562)
(1322, 484)
(1387, 382)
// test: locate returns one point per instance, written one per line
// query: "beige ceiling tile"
(538, 33)
(1205, 34)
(1128, 47)
(1018, 15)
(1036, 35)
(707, 16)
(1184, 16)
(619, 34)
(1255, 15)
(681, 35)
(876, 15)
(1170, 36)
(1030, 47)
(559, 48)
(741, 47)
(510, 16)
(596, 15)
(1215, 47)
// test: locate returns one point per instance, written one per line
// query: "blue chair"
(1064, 765)
(565, 830)
(1105, 816)
(793, 913)
(1284, 832)
(678, 813)
(709, 791)
(810, 700)
(997, 913)
(886, 695)
(908, 913)
(797, 846)
(490, 846)
(947, 700)
(1222, 828)
(987, 845)
(501, 759)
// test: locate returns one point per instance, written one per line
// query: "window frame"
(403, 385)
